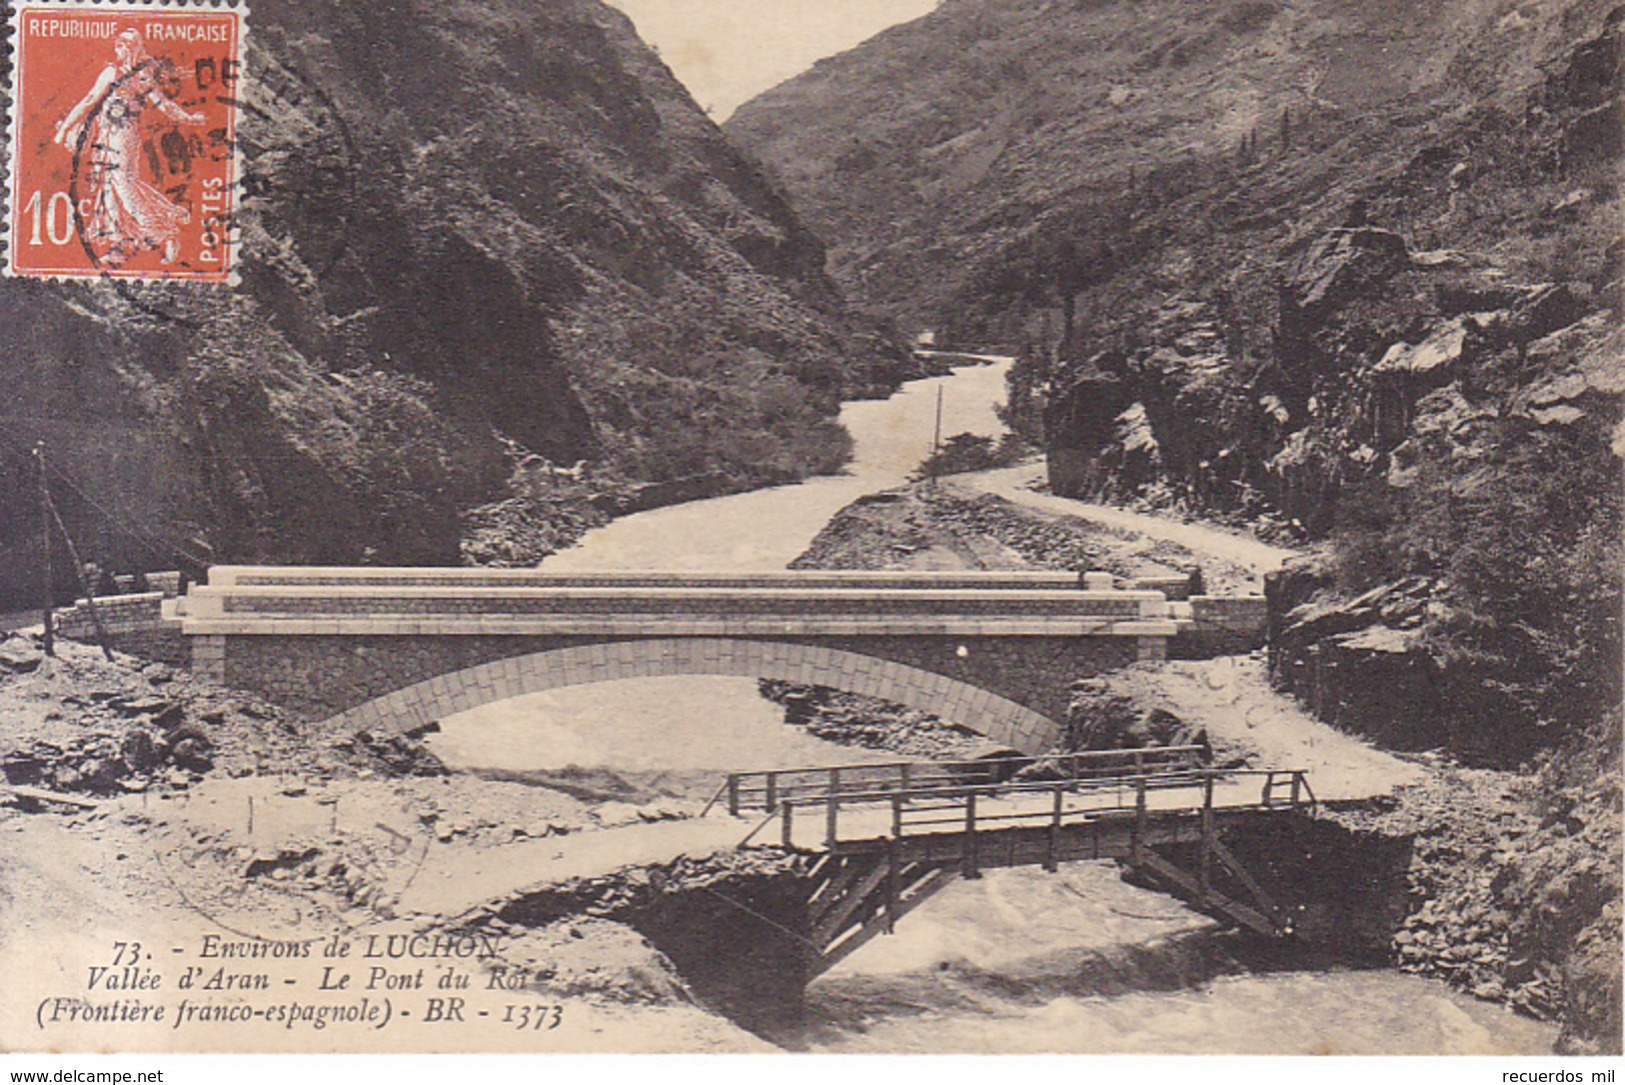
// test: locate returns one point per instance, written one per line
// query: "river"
(767, 529)
(1018, 961)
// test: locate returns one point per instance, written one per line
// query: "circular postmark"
(299, 164)
(134, 184)
(236, 160)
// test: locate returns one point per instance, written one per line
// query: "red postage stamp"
(122, 140)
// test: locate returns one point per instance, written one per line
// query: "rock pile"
(75, 723)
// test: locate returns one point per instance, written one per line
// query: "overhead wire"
(157, 545)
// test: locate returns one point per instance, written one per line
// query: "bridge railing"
(766, 790)
(968, 809)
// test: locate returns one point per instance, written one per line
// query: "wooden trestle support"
(854, 897)
(863, 879)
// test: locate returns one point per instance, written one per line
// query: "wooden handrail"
(1170, 779)
(747, 784)
(869, 782)
(954, 810)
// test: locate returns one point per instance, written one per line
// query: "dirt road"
(1015, 484)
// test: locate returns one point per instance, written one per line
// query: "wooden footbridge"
(884, 837)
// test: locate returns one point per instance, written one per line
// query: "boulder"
(1345, 263)
(1099, 717)
(1545, 309)
(19, 655)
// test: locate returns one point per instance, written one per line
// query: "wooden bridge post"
(772, 791)
(1297, 782)
(971, 870)
(1138, 839)
(894, 879)
(1052, 861)
(787, 806)
(832, 809)
(1205, 867)
(894, 870)
(733, 795)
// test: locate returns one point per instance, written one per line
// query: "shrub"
(965, 452)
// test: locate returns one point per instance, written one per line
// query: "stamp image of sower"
(122, 141)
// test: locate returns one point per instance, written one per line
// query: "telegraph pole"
(45, 547)
(84, 582)
(936, 439)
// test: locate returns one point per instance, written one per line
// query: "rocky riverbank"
(1511, 887)
(949, 524)
(852, 719)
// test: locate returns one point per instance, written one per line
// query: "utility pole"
(936, 439)
(84, 582)
(45, 547)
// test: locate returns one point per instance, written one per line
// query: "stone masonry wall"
(325, 675)
(1223, 625)
(133, 623)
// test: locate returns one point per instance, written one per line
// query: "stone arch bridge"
(401, 649)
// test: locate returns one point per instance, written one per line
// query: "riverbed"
(1018, 961)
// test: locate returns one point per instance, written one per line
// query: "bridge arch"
(427, 702)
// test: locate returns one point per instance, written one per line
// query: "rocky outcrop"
(1364, 665)
(1432, 413)
(1103, 717)
(719, 920)
(469, 233)
(131, 725)
(852, 719)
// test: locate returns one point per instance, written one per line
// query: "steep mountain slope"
(471, 231)
(922, 154)
(1350, 268)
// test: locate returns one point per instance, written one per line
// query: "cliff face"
(470, 231)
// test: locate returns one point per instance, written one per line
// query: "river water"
(767, 529)
(1018, 961)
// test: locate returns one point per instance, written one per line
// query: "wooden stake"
(1205, 862)
(971, 868)
(45, 549)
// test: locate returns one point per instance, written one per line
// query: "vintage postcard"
(816, 526)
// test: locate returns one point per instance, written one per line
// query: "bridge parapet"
(436, 576)
(404, 648)
(787, 610)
